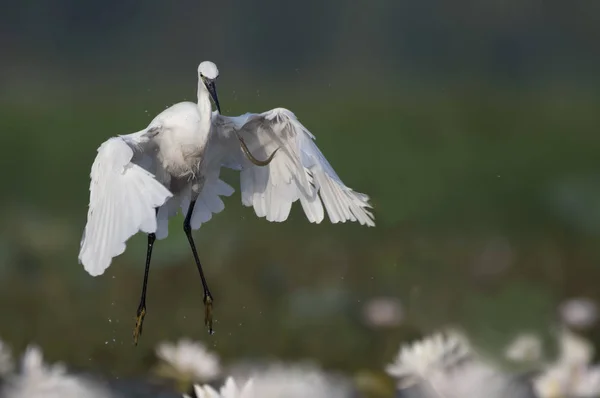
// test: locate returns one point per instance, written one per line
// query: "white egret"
(140, 180)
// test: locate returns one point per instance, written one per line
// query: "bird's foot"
(208, 313)
(139, 320)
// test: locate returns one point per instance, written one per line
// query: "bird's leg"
(208, 299)
(141, 311)
(249, 154)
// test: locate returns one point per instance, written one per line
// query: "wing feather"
(299, 171)
(123, 199)
(209, 200)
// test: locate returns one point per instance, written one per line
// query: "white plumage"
(136, 173)
(298, 171)
(123, 196)
(140, 180)
(178, 158)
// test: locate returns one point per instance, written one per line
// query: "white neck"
(204, 105)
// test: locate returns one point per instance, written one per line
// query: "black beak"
(210, 86)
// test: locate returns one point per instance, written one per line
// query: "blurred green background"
(473, 126)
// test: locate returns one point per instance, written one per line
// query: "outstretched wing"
(298, 171)
(123, 199)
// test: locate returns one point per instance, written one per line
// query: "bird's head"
(208, 74)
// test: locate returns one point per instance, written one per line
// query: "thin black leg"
(208, 299)
(141, 311)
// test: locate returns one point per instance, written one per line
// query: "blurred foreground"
(443, 365)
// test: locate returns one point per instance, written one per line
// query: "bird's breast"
(182, 141)
(181, 161)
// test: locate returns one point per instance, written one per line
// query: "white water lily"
(38, 380)
(473, 379)
(383, 312)
(588, 383)
(292, 381)
(561, 380)
(418, 361)
(6, 361)
(571, 374)
(579, 312)
(575, 351)
(554, 382)
(228, 390)
(188, 362)
(526, 347)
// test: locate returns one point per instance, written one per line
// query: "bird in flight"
(140, 180)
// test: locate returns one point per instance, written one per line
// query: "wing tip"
(368, 222)
(95, 273)
(91, 268)
(279, 112)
